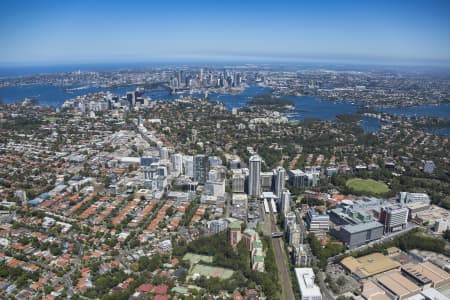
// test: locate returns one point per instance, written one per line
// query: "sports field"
(369, 186)
(211, 271)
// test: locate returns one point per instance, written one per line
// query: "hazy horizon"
(382, 32)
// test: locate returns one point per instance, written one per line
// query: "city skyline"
(50, 32)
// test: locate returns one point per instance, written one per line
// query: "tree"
(447, 235)
(55, 249)
(341, 280)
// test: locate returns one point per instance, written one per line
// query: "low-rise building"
(441, 225)
(360, 234)
(317, 221)
(428, 167)
(427, 274)
(398, 285)
(369, 265)
(308, 289)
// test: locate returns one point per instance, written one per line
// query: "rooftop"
(434, 294)
(428, 270)
(305, 279)
(369, 265)
(373, 292)
(362, 227)
(398, 284)
(234, 225)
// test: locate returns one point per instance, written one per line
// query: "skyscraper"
(280, 175)
(177, 164)
(200, 168)
(285, 202)
(188, 165)
(131, 98)
(254, 182)
(238, 183)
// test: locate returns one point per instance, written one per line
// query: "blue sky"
(52, 32)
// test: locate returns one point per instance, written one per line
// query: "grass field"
(369, 186)
(196, 258)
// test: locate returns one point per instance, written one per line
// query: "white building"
(217, 226)
(285, 203)
(254, 182)
(394, 218)
(406, 198)
(298, 178)
(308, 289)
(266, 181)
(215, 188)
(164, 153)
(165, 245)
(188, 164)
(177, 164)
(280, 175)
(441, 225)
(429, 166)
(293, 234)
(301, 256)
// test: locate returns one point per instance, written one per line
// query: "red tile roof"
(161, 289)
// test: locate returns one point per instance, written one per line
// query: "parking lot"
(345, 283)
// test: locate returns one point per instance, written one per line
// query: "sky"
(82, 31)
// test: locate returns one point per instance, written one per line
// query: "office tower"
(289, 219)
(175, 82)
(180, 78)
(131, 98)
(200, 168)
(238, 79)
(188, 165)
(280, 175)
(215, 188)
(177, 164)
(214, 161)
(213, 175)
(394, 217)
(147, 173)
(297, 178)
(164, 153)
(285, 202)
(266, 181)
(238, 182)
(254, 182)
(161, 171)
(293, 235)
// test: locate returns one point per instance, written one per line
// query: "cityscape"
(223, 175)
